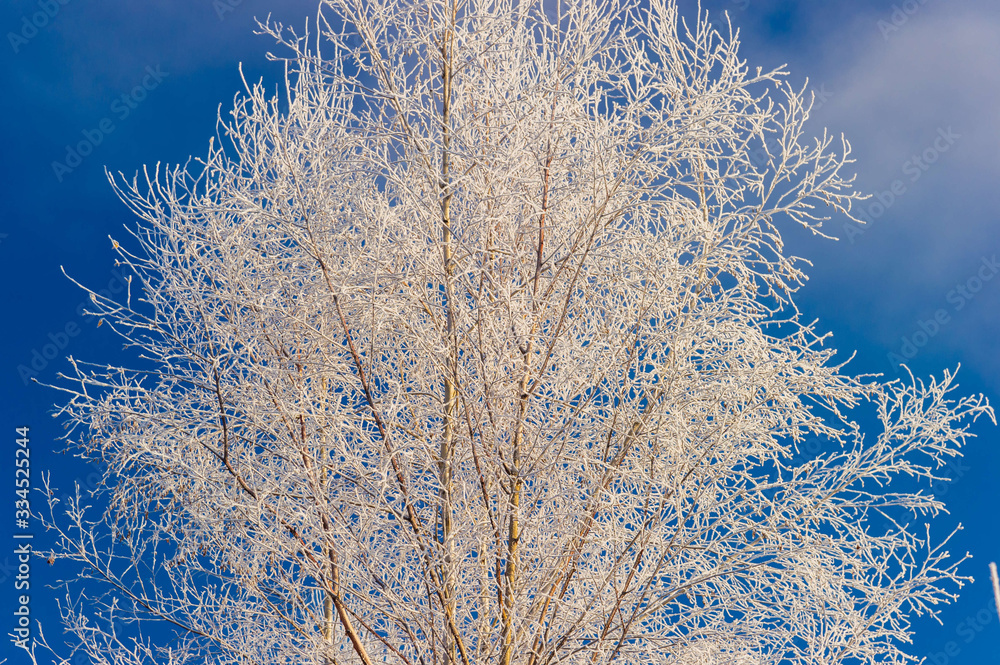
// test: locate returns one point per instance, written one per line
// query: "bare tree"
(478, 345)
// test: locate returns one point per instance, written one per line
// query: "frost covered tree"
(477, 345)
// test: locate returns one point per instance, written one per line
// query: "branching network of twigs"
(477, 345)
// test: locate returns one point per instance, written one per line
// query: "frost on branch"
(478, 345)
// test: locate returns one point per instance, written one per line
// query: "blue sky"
(914, 85)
